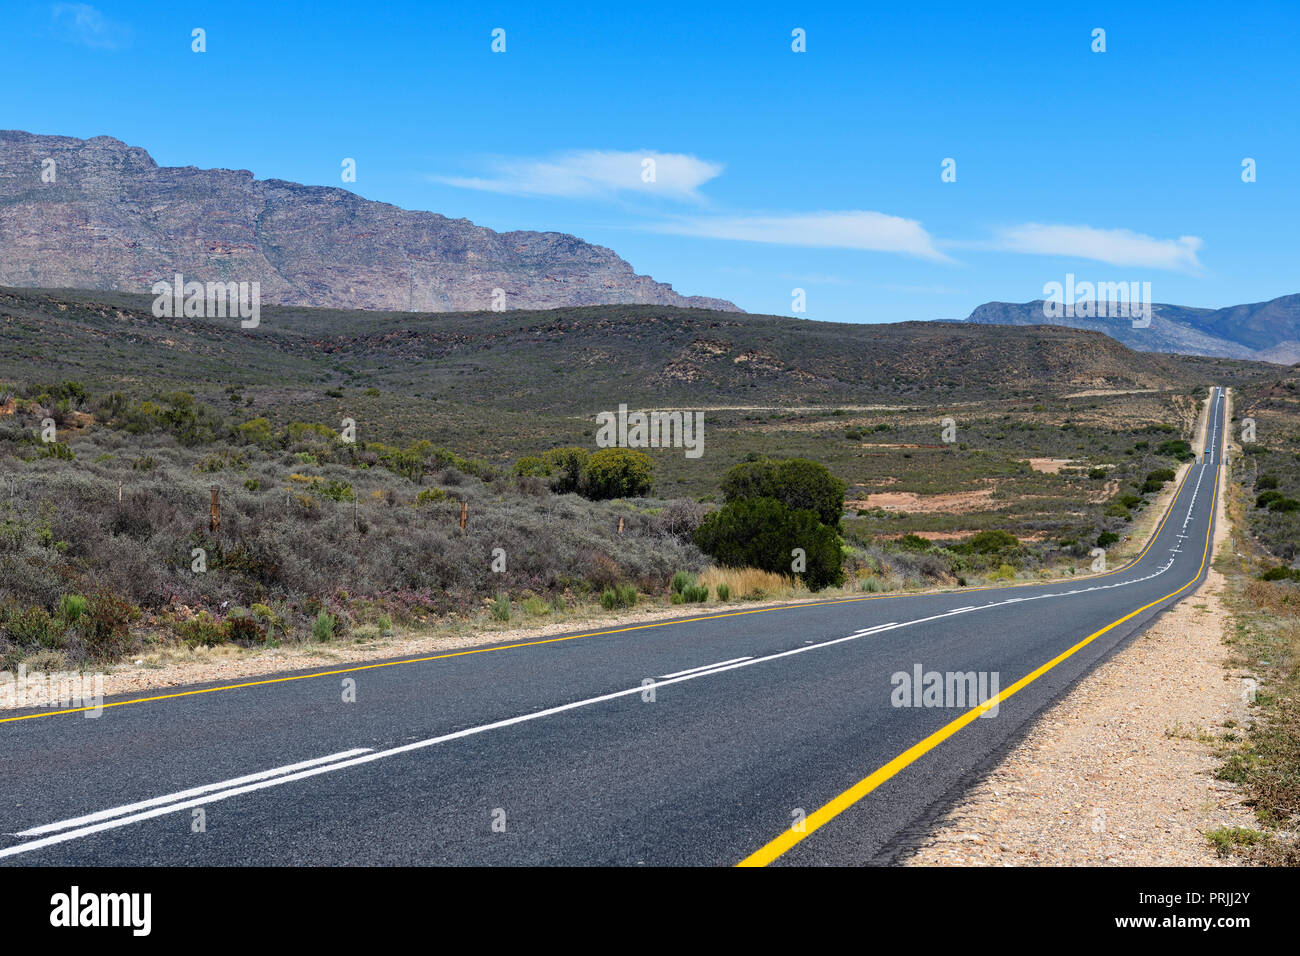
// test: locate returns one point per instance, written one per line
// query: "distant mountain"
(1262, 331)
(113, 219)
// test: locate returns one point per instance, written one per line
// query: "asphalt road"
(619, 747)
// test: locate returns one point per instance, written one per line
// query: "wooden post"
(119, 492)
(214, 514)
(620, 524)
(464, 514)
(356, 523)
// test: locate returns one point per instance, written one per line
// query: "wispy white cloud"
(853, 229)
(81, 23)
(1120, 247)
(594, 173)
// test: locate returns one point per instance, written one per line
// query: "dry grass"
(752, 584)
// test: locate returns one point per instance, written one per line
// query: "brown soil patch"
(955, 503)
(1049, 466)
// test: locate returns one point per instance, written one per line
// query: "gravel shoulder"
(1120, 771)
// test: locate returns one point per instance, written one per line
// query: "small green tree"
(566, 468)
(795, 482)
(618, 473)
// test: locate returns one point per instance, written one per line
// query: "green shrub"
(763, 533)
(695, 594)
(1175, 448)
(337, 490)
(1106, 539)
(1097, 474)
(566, 468)
(681, 581)
(1005, 572)
(32, 627)
(71, 607)
(1264, 482)
(427, 496)
(500, 607)
(106, 625)
(620, 595)
(1284, 505)
(536, 606)
(618, 473)
(724, 591)
(1267, 498)
(322, 629)
(1281, 573)
(531, 466)
(993, 541)
(202, 630)
(385, 625)
(913, 542)
(796, 483)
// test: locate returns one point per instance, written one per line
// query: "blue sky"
(774, 170)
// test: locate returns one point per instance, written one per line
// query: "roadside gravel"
(1120, 772)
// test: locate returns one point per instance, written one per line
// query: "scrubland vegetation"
(1264, 594)
(347, 447)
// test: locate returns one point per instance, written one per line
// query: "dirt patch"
(955, 535)
(1101, 392)
(1048, 466)
(955, 503)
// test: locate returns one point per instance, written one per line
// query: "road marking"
(112, 819)
(186, 794)
(703, 667)
(829, 811)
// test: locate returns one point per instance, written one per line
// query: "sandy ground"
(1049, 466)
(1120, 771)
(957, 502)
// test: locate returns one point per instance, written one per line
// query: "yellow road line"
(617, 630)
(823, 815)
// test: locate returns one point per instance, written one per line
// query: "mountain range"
(99, 214)
(1261, 331)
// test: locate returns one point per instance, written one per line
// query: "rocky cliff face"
(112, 218)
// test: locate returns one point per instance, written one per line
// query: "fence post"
(620, 524)
(214, 513)
(464, 514)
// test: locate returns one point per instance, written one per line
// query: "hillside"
(571, 360)
(1260, 331)
(113, 219)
